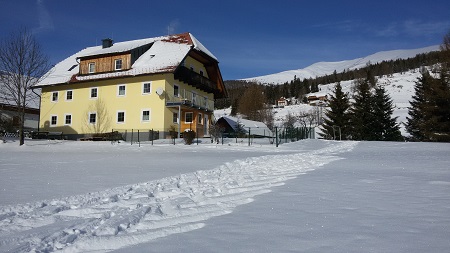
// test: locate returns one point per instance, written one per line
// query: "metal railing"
(190, 99)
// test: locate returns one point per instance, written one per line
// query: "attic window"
(91, 67)
(118, 64)
(71, 68)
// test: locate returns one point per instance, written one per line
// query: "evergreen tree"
(337, 118)
(362, 116)
(415, 121)
(429, 113)
(385, 127)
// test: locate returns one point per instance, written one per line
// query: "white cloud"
(414, 28)
(45, 20)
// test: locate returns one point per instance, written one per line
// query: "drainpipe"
(39, 118)
(179, 121)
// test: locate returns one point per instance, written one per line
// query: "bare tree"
(22, 65)
(307, 120)
(98, 120)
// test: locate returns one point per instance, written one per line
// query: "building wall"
(132, 103)
(190, 62)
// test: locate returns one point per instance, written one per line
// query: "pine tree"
(362, 116)
(337, 117)
(436, 126)
(429, 113)
(385, 127)
(415, 121)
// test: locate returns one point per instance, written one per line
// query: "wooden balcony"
(196, 80)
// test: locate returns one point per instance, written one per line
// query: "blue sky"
(250, 38)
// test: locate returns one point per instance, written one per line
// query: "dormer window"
(118, 64)
(91, 67)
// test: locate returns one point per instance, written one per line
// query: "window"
(176, 91)
(92, 118)
(146, 88)
(94, 92)
(53, 120)
(91, 67)
(68, 120)
(55, 96)
(120, 117)
(191, 68)
(121, 90)
(199, 117)
(146, 115)
(188, 116)
(118, 64)
(201, 72)
(175, 118)
(69, 95)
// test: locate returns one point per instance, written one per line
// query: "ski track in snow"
(129, 215)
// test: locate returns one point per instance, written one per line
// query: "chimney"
(107, 43)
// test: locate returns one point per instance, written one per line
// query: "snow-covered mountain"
(325, 68)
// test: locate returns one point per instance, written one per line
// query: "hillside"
(400, 87)
(326, 68)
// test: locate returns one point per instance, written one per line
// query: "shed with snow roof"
(233, 125)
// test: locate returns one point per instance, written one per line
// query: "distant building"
(156, 83)
(281, 102)
(317, 100)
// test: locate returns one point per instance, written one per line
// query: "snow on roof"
(256, 127)
(166, 53)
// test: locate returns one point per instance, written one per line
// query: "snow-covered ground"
(307, 196)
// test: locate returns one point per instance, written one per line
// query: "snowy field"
(307, 196)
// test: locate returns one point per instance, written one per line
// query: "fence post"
(197, 136)
(276, 136)
(139, 141)
(152, 136)
(126, 134)
(249, 130)
(132, 133)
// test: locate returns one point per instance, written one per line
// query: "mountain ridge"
(325, 68)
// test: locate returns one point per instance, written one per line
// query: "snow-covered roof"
(165, 54)
(256, 127)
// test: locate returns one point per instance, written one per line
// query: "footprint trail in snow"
(125, 216)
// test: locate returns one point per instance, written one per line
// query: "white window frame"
(175, 117)
(89, 118)
(51, 120)
(67, 93)
(91, 67)
(149, 115)
(115, 64)
(143, 88)
(124, 90)
(177, 89)
(65, 119)
(90, 93)
(124, 117)
(185, 117)
(53, 96)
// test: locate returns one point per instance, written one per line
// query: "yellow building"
(161, 84)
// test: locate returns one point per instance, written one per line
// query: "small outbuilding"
(233, 126)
